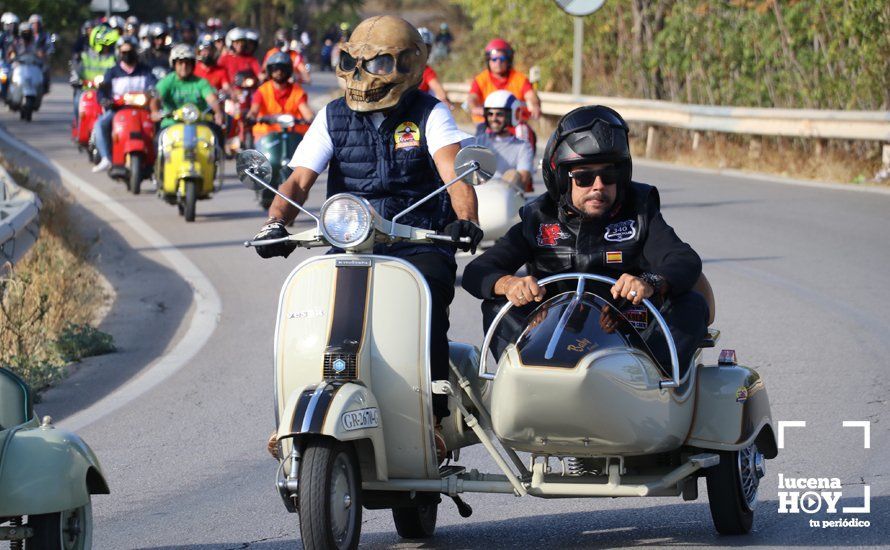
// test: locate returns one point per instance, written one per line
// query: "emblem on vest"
(621, 231)
(407, 135)
(550, 233)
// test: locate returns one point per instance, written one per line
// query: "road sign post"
(578, 9)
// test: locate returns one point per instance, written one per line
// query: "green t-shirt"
(175, 92)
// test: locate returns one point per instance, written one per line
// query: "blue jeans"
(103, 134)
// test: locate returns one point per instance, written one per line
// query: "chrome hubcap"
(342, 517)
(751, 469)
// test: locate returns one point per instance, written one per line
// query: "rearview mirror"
(252, 162)
(482, 157)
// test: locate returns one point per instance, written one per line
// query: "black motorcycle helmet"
(590, 134)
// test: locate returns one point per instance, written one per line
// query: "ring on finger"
(633, 294)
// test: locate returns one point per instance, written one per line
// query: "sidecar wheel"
(732, 490)
(330, 495)
(66, 530)
(417, 522)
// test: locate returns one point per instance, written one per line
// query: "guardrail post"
(885, 157)
(651, 142)
(696, 140)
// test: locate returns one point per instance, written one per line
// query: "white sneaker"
(103, 165)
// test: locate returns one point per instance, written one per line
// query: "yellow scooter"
(188, 161)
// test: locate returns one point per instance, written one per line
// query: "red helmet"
(501, 45)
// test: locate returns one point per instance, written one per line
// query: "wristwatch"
(655, 281)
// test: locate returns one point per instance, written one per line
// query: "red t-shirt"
(428, 74)
(234, 64)
(214, 74)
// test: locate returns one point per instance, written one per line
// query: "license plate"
(360, 419)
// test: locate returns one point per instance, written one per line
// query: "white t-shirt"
(316, 149)
(512, 153)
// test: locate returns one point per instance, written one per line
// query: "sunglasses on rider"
(379, 65)
(491, 113)
(586, 177)
(499, 59)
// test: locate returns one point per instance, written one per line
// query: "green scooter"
(279, 147)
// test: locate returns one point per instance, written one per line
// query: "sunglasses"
(498, 59)
(380, 65)
(495, 114)
(587, 177)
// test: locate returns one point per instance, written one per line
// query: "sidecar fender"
(344, 411)
(44, 469)
(732, 411)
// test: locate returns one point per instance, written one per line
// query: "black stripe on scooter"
(348, 320)
(321, 407)
(300, 410)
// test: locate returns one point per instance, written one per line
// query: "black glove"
(274, 229)
(464, 228)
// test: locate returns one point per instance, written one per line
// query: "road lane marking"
(207, 310)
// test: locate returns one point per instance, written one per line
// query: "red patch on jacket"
(550, 233)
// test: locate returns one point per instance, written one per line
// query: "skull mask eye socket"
(347, 62)
(380, 65)
(405, 59)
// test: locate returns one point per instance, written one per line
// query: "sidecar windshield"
(592, 323)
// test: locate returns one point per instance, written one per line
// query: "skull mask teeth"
(382, 35)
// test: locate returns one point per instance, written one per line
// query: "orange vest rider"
(272, 101)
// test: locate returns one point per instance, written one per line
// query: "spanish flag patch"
(614, 257)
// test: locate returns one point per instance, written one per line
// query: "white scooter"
(26, 86)
(499, 202)
(353, 395)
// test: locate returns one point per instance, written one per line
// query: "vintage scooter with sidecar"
(132, 140)
(589, 402)
(188, 161)
(47, 476)
(279, 147)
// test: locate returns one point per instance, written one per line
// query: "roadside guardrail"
(805, 123)
(19, 222)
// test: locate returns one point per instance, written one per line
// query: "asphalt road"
(800, 275)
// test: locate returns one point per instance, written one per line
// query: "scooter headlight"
(190, 113)
(346, 220)
(135, 99)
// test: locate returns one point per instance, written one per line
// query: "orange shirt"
(485, 83)
(273, 101)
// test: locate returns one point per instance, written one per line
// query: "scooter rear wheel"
(418, 522)
(732, 490)
(134, 183)
(330, 495)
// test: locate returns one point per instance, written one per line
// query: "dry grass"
(49, 299)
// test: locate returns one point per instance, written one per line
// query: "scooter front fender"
(45, 470)
(344, 411)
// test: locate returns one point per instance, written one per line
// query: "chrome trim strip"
(310, 410)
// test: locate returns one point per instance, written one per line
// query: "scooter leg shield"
(344, 411)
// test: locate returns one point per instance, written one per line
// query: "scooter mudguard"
(362, 320)
(188, 152)
(88, 109)
(45, 470)
(132, 131)
(344, 411)
(732, 411)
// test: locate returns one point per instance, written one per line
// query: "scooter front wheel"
(134, 183)
(191, 198)
(330, 495)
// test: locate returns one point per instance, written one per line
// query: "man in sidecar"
(594, 219)
(391, 144)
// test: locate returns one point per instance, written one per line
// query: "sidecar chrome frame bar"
(674, 382)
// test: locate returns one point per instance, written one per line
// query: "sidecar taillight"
(727, 357)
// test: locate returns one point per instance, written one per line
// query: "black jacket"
(551, 240)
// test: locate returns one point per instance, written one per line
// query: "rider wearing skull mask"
(390, 143)
(594, 219)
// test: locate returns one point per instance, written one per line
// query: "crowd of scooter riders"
(25, 50)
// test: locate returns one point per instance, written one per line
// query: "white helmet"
(502, 99)
(9, 18)
(182, 51)
(35, 18)
(426, 35)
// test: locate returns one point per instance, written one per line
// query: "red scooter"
(237, 106)
(132, 140)
(88, 110)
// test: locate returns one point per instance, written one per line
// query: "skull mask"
(383, 59)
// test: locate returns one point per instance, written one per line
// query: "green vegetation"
(831, 54)
(51, 297)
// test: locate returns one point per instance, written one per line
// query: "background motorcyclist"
(594, 219)
(129, 75)
(181, 87)
(430, 81)
(132, 27)
(188, 32)
(283, 44)
(444, 37)
(44, 42)
(278, 95)
(500, 75)
(94, 61)
(392, 150)
(501, 112)
(158, 55)
(10, 34)
(207, 66)
(244, 43)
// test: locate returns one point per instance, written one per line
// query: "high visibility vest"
(271, 106)
(515, 83)
(93, 64)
